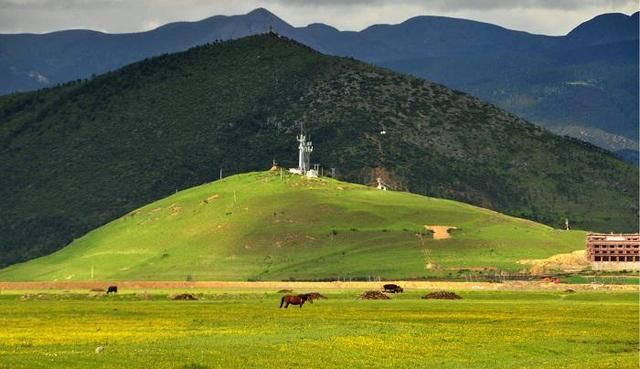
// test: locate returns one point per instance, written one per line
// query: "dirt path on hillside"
(439, 232)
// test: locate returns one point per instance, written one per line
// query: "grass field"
(244, 328)
(264, 226)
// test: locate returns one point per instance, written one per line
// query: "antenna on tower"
(304, 155)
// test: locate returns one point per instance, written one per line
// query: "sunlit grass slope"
(272, 225)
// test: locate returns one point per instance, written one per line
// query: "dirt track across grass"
(296, 286)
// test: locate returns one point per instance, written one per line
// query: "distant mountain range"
(584, 84)
(82, 154)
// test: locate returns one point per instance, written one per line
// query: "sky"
(551, 17)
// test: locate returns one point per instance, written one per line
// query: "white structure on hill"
(304, 157)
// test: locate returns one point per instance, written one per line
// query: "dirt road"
(297, 286)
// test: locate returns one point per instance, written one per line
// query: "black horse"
(112, 289)
(287, 300)
(392, 288)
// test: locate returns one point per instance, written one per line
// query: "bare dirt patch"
(571, 262)
(439, 232)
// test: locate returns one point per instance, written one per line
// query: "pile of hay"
(442, 295)
(373, 295)
(37, 296)
(184, 296)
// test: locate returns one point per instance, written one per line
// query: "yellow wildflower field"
(246, 329)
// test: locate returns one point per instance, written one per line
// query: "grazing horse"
(293, 300)
(314, 296)
(113, 289)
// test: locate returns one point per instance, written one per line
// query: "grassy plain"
(264, 226)
(244, 328)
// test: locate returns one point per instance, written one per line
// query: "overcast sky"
(552, 17)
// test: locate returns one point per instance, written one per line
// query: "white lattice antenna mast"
(301, 145)
(304, 151)
(308, 148)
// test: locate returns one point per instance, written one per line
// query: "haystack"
(373, 295)
(442, 295)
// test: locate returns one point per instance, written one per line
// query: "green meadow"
(277, 226)
(246, 329)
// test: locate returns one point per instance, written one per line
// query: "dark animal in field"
(314, 296)
(392, 288)
(287, 300)
(112, 289)
(184, 296)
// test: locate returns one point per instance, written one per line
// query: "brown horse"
(314, 296)
(287, 300)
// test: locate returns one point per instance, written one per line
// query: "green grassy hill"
(264, 226)
(77, 156)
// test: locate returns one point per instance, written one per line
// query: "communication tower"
(304, 156)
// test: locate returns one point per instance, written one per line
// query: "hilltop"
(272, 226)
(80, 155)
(583, 84)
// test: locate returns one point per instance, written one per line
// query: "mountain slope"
(605, 28)
(586, 81)
(78, 156)
(31, 61)
(267, 226)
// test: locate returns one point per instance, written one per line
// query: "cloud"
(38, 77)
(457, 5)
(537, 16)
(55, 4)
